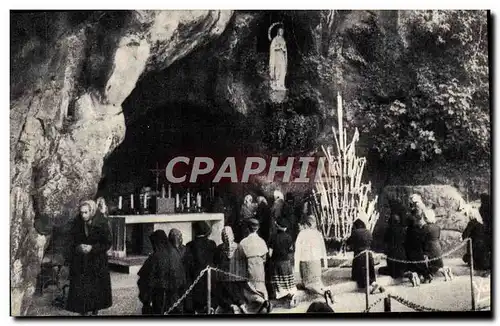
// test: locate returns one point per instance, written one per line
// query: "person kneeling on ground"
(360, 240)
(396, 255)
(253, 256)
(229, 287)
(310, 251)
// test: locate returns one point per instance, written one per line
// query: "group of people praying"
(268, 252)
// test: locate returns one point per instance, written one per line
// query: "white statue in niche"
(278, 59)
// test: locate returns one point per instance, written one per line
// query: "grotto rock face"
(67, 89)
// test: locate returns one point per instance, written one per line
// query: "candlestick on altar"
(145, 201)
(177, 201)
(163, 191)
(198, 200)
(132, 201)
(188, 201)
(169, 191)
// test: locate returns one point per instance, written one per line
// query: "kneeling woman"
(90, 282)
(360, 241)
(230, 285)
(310, 250)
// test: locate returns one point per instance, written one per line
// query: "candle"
(188, 199)
(120, 202)
(177, 201)
(198, 200)
(169, 191)
(145, 200)
(163, 191)
(132, 201)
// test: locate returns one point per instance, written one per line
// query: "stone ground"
(440, 295)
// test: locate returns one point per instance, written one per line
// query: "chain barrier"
(188, 290)
(412, 305)
(347, 262)
(465, 241)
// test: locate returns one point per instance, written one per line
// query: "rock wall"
(68, 85)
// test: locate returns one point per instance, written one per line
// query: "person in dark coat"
(432, 246)
(290, 215)
(415, 242)
(281, 250)
(485, 213)
(162, 277)
(175, 240)
(276, 211)
(90, 282)
(199, 254)
(263, 215)
(477, 231)
(394, 239)
(360, 240)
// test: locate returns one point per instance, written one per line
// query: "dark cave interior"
(174, 112)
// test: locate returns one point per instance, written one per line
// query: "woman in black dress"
(360, 240)
(90, 282)
(414, 244)
(395, 248)
(478, 232)
(432, 246)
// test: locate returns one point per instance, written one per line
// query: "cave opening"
(175, 112)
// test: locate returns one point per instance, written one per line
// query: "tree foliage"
(423, 87)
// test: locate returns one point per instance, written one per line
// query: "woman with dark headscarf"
(90, 282)
(395, 248)
(175, 239)
(478, 233)
(432, 246)
(199, 254)
(229, 289)
(360, 240)
(162, 277)
(415, 242)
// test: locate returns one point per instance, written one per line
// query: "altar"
(130, 233)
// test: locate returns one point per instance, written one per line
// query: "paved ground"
(448, 296)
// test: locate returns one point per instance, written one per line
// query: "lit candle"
(177, 201)
(188, 199)
(120, 202)
(198, 199)
(132, 201)
(169, 191)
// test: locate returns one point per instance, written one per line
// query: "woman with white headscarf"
(310, 257)
(229, 287)
(90, 282)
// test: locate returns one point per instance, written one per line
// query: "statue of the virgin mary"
(278, 60)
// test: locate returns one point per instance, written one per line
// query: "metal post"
(367, 279)
(209, 290)
(473, 298)
(387, 304)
